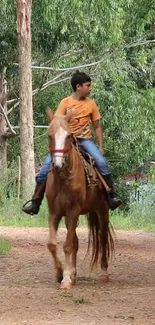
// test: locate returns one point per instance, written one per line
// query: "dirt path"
(29, 294)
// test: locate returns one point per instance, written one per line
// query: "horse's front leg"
(74, 257)
(52, 245)
(70, 250)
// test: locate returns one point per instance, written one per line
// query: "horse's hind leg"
(70, 251)
(106, 241)
(104, 276)
(52, 246)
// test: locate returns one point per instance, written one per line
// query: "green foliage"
(139, 15)
(74, 32)
(8, 35)
(128, 121)
(77, 22)
(9, 184)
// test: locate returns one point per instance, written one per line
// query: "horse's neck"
(71, 171)
(74, 162)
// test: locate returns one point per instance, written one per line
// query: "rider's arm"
(99, 134)
(95, 118)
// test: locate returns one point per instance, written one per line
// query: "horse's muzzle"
(60, 161)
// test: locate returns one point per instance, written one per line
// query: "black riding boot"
(113, 203)
(37, 198)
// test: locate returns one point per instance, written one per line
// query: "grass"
(137, 219)
(75, 300)
(11, 215)
(141, 214)
(5, 246)
(118, 220)
(140, 217)
(79, 301)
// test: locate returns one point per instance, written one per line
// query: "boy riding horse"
(84, 111)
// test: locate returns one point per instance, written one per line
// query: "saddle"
(93, 176)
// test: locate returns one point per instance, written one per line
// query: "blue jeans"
(44, 169)
(89, 146)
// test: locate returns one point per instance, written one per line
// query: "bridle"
(64, 150)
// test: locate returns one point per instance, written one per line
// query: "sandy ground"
(30, 295)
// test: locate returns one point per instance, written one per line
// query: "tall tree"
(7, 52)
(26, 110)
(3, 110)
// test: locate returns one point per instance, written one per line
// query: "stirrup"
(27, 202)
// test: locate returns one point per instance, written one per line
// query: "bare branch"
(14, 106)
(36, 91)
(6, 118)
(35, 126)
(49, 83)
(61, 56)
(66, 70)
(138, 43)
(10, 101)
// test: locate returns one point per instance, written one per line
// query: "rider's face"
(84, 89)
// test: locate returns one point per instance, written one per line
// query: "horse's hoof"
(66, 285)
(104, 278)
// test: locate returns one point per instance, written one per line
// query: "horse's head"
(60, 139)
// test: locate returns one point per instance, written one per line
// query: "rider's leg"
(38, 195)
(89, 146)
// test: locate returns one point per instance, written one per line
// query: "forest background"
(114, 42)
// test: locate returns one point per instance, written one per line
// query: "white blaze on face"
(60, 138)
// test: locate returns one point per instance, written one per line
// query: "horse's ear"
(49, 114)
(68, 116)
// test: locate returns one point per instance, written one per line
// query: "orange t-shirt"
(84, 111)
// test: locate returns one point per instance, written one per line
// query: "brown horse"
(68, 195)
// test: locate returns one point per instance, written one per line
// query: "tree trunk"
(3, 140)
(26, 110)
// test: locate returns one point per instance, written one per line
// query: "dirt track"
(29, 294)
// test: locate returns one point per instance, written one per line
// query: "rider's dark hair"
(79, 78)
